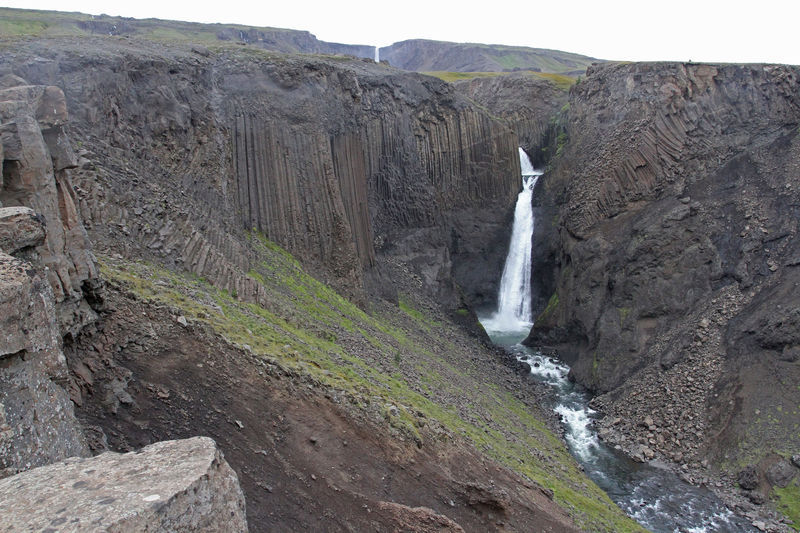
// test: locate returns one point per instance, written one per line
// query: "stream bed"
(654, 496)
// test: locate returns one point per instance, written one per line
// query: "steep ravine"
(276, 236)
(669, 227)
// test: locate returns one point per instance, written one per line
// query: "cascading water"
(514, 299)
(377, 55)
(655, 497)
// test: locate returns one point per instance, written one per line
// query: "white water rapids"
(653, 496)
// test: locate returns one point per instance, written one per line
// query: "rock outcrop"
(183, 485)
(671, 225)
(37, 422)
(37, 156)
(532, 108)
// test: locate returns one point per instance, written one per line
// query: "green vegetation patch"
(552, 305)
(788, 502)
(561, 81)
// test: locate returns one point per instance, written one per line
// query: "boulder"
(748, 478)
(182, 485)
(781, 473)
(20, 228)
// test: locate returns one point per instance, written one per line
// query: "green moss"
(623, 314)
(788, 502)
(410, 311)
(456, 76)
(552, 305)
(559, 80)
(461, 311)
(561, 143)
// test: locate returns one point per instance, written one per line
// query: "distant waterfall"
(514, 299)
(377, 55)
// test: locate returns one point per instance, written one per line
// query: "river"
(650, 493)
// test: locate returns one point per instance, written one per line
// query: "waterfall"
(514, 298)
(377, 55)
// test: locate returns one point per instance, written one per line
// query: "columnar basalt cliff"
(337, 162)
(532, 108)
(528, 104)
(210, 183)
(673, 225)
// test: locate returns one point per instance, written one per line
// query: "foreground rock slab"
(181, 485)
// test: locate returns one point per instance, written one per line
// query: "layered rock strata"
(183, 485)
(426, 55)
(671, 228)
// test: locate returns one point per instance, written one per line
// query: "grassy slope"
(378, 359)
(559, 80)
(34, 23)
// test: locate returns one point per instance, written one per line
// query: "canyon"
(251, 238)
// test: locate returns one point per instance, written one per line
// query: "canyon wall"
(37, 158)
(532, 108)
(339, 162)
(672, 237)
(528, 104)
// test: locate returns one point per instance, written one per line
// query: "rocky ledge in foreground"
(181, 485)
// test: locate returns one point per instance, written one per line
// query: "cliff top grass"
(36, 23)
(562, 81)
(412, 359)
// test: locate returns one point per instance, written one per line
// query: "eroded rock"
(37, 156)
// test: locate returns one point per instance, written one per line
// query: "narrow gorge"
(242, 276)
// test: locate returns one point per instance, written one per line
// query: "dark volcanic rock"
(531, 107)
(674, 244)
(340, 162)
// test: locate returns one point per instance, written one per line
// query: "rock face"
(37, 423)
(181, 485)
(338, 162)
(424, 56)
(672, 235)
(37, 156)
(529, 105)
(532, 108)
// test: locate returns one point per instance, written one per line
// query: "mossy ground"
(561, 81)
(787, 501)
(404, 364)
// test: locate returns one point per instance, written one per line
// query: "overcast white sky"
(698, 30)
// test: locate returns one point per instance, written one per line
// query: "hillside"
(36, 23)
(425, 56)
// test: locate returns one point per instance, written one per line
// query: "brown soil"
(306, 458)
